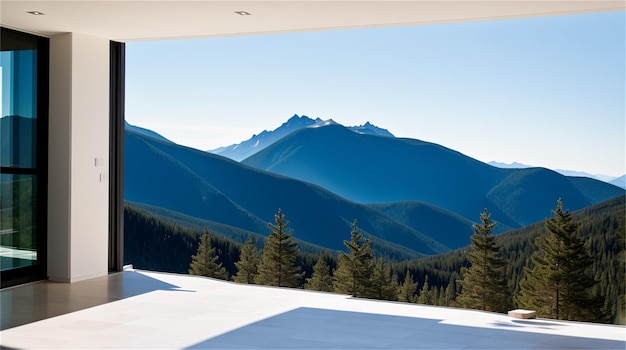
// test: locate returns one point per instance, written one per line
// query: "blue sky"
(546, 91)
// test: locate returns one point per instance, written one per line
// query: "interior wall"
(78, 195)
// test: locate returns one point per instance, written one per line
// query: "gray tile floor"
(40, 300)
(141, 310)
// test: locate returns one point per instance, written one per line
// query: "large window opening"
(535, 92)
(541, 95)
(23, 156)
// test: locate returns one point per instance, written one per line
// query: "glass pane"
(18, 72)
(18, 221)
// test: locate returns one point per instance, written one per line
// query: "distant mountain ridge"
(617, 181)
(259, 142)
(620, 181)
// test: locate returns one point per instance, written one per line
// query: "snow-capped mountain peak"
(259, 142)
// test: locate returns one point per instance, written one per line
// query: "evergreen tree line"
(590, 240)
(151, 243)
(496, 273)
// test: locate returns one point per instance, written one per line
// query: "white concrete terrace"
(140, 310)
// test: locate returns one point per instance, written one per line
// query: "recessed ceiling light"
(243, 13)
(36, 13)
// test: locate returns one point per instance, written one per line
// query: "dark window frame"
(38, 271)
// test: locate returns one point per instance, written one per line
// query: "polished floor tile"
(45, 299)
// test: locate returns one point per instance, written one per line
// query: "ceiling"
(154, 20)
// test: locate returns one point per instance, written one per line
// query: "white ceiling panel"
(153, 20)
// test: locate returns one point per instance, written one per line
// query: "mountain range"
(410, 197)
(214, 188)
(371, 169)
(257, 143)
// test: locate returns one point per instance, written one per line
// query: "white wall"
(78, 157)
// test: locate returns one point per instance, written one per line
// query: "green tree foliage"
(483, 285)
(449, 298)
(322, 278)
(152, 244)
(598, 226)
(19, 224)
(248, 264)
(382, 285)
(407, 290)
(441, 296)
(204, 263)
(354, 269)
(426, 294)
(278, 260)
(620, 317)
(557, 285)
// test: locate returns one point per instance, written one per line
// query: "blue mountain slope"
(529, 195)
(156, 178)
(370, 169)
(145, 132)
(215, 188)
(591, 191)
(444, 226)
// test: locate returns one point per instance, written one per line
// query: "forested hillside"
(154, 243)
(599, 226)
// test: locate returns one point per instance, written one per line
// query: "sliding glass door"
(23, 156)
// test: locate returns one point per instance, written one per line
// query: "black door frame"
(116, 155)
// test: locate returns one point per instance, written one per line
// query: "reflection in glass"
(18, 221)
(18, 72)
(24, 89)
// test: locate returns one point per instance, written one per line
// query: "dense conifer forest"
(154, 244)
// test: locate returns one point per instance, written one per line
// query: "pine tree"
(248, 264)
(278, 260)
(426, 294)
(441, 296)
(406, 291)
(321, 279)
(557, 285)
(382, 285)
(450, 294)
(483, 284)
(354, 269)
(204, 263)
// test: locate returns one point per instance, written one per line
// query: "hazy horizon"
(545, 91)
